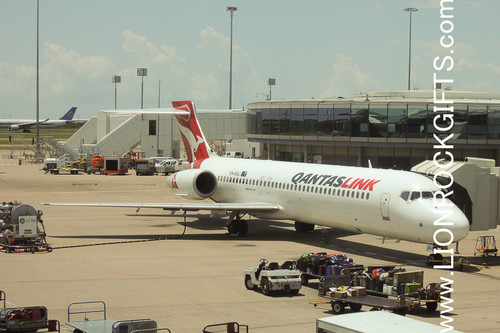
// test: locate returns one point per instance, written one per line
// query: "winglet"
(196, 145)
(69, 115)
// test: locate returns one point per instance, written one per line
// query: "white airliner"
(26, 124)
(388, 203)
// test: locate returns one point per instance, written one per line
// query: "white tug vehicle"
(272, 277)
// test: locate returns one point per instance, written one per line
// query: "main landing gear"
(237, 226)
(303, 226)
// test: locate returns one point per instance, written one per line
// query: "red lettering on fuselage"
(346, 183)
(359, 183)
(369, 185)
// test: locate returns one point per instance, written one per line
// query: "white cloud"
(60, 71)
(211, 38)
(15, 78)
(145, 50)
(464, 64)
(348, 77)
(217, 42)
(205, 88)
(64, 68)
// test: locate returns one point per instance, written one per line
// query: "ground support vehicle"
(339, 293)
(49, 164)
(457, 265)
(486, 245)
(96, 165)
(165, 165)
(273, 277)
(81, 164)
(318, 265)
(22, 229)
(116, 165)
(67, 169)
(96, 321)
(145, 166)
(64, 164)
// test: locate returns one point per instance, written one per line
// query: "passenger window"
(405, 195)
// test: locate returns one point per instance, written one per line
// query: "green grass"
(23, 140)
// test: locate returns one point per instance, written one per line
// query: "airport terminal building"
(391, 129)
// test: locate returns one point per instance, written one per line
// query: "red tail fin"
(194, 141)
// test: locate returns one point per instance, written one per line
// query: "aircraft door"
(384, 206)
(260, 184)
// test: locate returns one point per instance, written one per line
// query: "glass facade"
(390, 120)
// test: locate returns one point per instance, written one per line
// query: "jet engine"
(14, 128)
(195, 184)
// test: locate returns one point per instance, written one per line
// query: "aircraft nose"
(460, 225)
(455, 232)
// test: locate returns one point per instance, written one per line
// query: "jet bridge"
(476, 188)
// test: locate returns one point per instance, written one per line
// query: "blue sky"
(314, 49)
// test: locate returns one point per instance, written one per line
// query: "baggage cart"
(95, 320)
(355, 302)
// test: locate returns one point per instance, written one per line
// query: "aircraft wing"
(29, 125)
(185, 206)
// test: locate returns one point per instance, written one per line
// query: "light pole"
(271, 82)
(142, 72)
(116, 79)
(411, 10)
(231, 9)
(37, 152)
(159, 92)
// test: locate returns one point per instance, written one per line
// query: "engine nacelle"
(14, 128)
(193, 183)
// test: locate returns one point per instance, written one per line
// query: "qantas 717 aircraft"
(388, 203)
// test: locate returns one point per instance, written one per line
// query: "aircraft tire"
(232, 228)
(242, 228)
(239, 228)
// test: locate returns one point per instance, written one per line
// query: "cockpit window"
(415, 195)
(427, 195)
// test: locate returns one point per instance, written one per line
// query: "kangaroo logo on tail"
(194, 141)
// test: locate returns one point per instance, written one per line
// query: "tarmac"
(189, 275)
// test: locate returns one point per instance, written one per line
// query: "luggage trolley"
(103, 324)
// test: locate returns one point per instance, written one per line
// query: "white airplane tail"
(197, 148)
